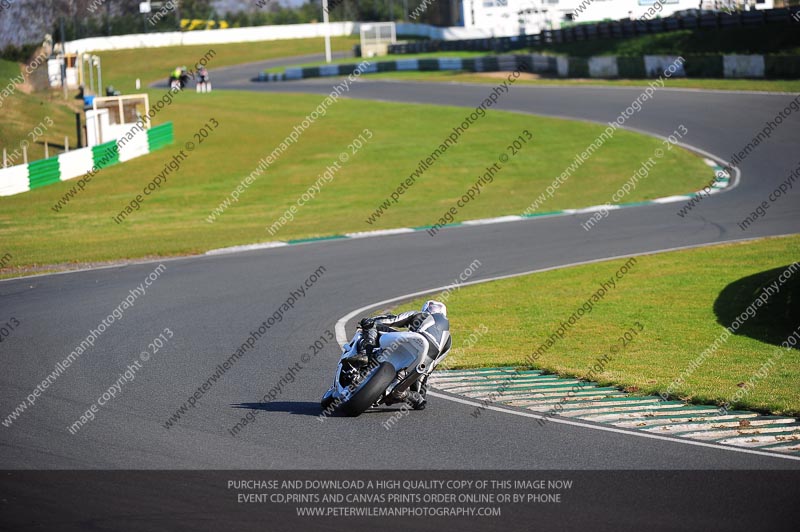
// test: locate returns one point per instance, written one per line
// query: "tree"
(196, 9)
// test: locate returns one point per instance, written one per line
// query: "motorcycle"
(386, 377)
(178, 81)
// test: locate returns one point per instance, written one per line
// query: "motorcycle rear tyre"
(370, 391)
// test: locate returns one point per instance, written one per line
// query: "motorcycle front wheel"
(369, 390)
(326, 402)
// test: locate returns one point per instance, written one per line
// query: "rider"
(431, 322)
(175, 78)
(203, 84)
(184, 77)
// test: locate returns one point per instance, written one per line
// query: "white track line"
(246, 247)
(615, 430)
(588, 86)
(341, 338)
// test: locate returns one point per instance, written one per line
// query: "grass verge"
(122, 67)
(23, 112)
(173, 221)
(683, 301)
(771, 39)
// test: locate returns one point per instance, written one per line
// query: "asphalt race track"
(212, 303)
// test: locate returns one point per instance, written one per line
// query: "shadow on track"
(775, 320)
(300, 408)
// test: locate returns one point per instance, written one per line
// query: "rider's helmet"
(434, 307)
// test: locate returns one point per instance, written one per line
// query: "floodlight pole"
(327, 31)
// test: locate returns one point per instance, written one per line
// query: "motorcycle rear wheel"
(370, 391)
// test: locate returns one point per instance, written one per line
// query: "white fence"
(258, 33)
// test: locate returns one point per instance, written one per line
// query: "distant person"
(184, 77)
(203, 80)
(175, 79)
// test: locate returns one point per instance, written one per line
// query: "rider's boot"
(419, 390)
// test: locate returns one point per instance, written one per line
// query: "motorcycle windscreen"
(403, 349)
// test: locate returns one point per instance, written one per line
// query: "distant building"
(439, 13)
(513, 17)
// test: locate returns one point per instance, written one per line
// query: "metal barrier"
(600, 30)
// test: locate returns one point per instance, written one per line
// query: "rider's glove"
(370, 339)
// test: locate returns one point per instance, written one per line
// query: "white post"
(5, 158)
(91, 75)
(100, 89)
(64, 75)
(327, 31)
(46, 150)
(25, 155)
(66, 143)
